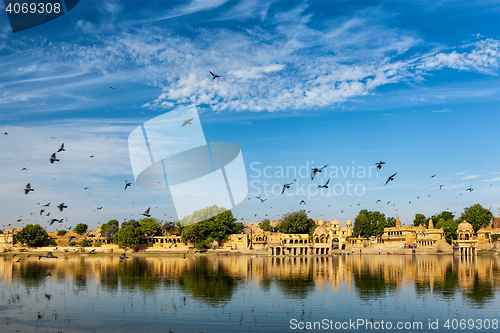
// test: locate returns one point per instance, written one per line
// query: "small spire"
(431, 225)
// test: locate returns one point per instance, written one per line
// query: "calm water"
(160, 293)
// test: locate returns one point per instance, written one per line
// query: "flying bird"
(314, 170)
(324, 186)
(62, 206)
(469, 189)
(61, 148)
(286, 186)
(390, 178)
(262, 200)
(214, 76)
(53, 158)
(47, 205)
(440, 187)
(379, 165)
(388, 202)
(112, 88)
(5, 133)
(53, 221)
(127, 184)
(303, 202)
(123, 257)
(24, 169)
(28, 189)
(41, 211)
(99, 208)
(146, 213)
(91, 156)
(378, 201)
(434, 175)
(86, 188)
(187, 122)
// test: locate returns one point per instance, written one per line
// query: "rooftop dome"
(320, 230)
(464, 226)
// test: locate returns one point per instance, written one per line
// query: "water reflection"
(214, 280)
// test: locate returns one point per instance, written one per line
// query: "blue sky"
(303, 84)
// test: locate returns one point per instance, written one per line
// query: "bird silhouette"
(440, 187)
(127, 184)
(378, 201)
(286, 186)
(469, 189)
(61, 148)
(187, 122)
(5, 133)
(146, 213)
(41, 211)
(390, 178)
(28, 188)
(214, 76)
(324, 186)
(379, 165)
(388, 202)
(434, 175)
(314, 170)
(23, 169)
(91, 156)
(49, 255)
(123, 257)
(62, 206)
(53, 158)
(86, 188)
(262, 200)
(112, 88)
(303, 202)
(47, 205)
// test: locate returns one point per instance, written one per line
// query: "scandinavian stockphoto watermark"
(339, 179)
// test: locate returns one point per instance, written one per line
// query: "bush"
(495, 237)
(72, 244)
(84, 243)
(61, 233)
(52, 242)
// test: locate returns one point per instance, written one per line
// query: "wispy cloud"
(292, 65)
(471, 177)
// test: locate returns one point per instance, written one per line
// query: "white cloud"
(292, 65)
(471, 177)
(491, 180)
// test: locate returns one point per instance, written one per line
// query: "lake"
(206, 293)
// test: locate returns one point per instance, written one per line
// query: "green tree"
(495, 237)
(215, 228)
(477, 216)
(61, 233)
(419, 219)
(149, 226)
(202, 215)
(81, 228)
(32, 235)
(449, 228)
(368, 224)
(170, 228)
(128, 235)
(109, 229)
(296, 223)
(265, 225)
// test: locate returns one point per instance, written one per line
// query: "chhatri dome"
(465, 226)
(320, 230)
